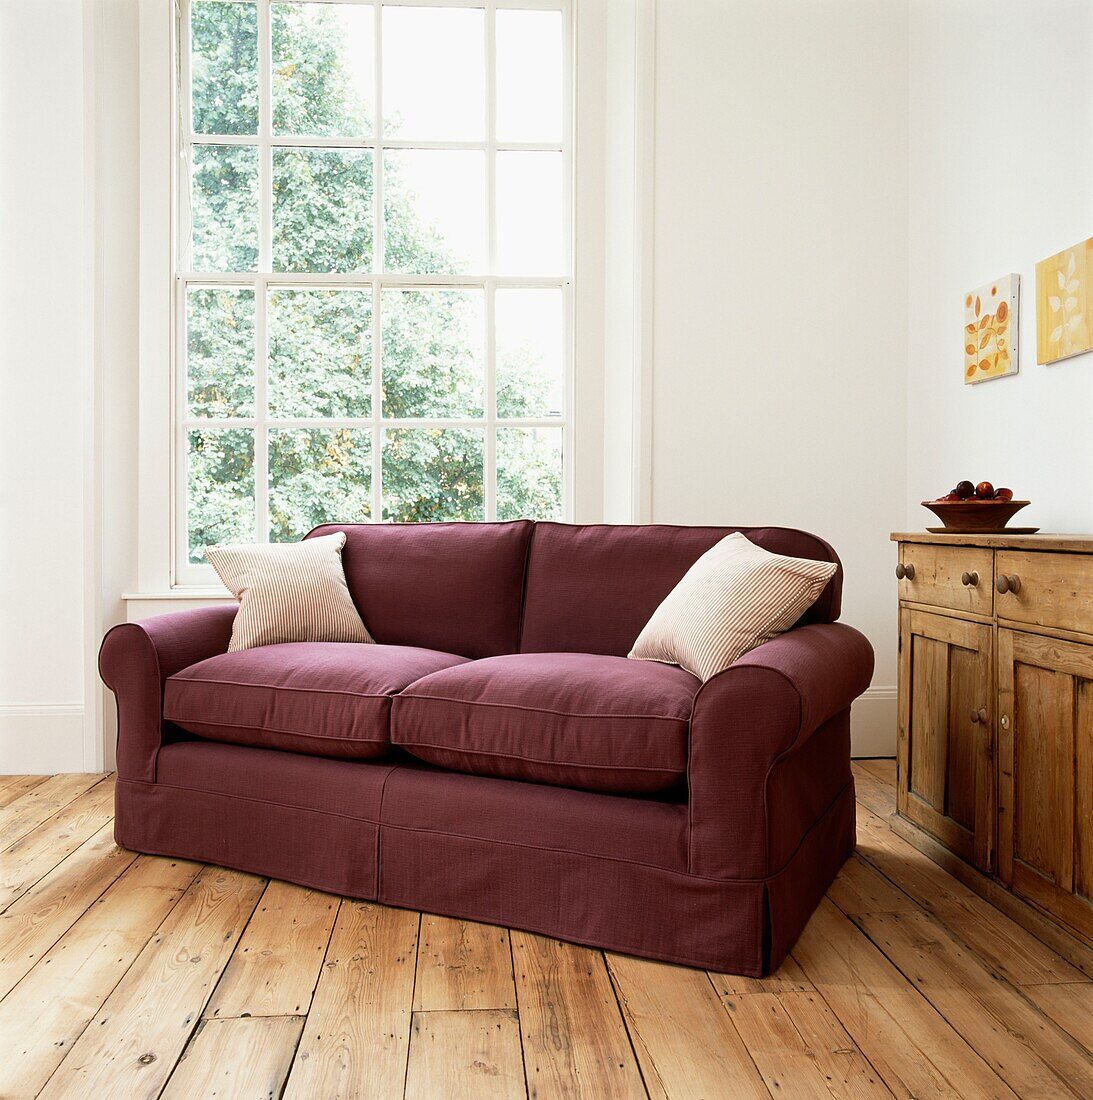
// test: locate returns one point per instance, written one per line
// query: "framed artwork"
(991, 344)
(1064, 302)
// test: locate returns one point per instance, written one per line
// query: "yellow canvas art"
(991, 344)
(1064, 302)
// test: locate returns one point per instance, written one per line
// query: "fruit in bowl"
(975, 509)
(983, 492)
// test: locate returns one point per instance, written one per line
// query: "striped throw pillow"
(289, 592)
(735, 597)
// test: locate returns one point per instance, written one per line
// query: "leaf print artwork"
(1064, 289)
(990, 348)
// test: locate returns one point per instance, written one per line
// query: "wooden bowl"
(976, 517)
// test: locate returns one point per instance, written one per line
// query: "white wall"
(45, 346)
(113, 533)
(1001, 176)
(822, 172)
(780, 285)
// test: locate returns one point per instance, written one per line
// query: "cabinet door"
(945, 781)
(1045, 773)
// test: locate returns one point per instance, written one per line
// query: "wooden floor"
(136, 976)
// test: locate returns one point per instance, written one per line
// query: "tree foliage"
(320, 340)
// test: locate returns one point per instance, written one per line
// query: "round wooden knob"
(1010, 582)
(900, 572)
(974, 716)
(970, 580)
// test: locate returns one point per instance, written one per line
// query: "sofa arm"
(135, 660)
(748, 719)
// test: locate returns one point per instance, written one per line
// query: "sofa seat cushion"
(570, 719)
(320, 698)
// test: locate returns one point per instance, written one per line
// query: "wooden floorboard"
(139, 976)
(14, 786)
(40, 803)
(877, 794)
(35, 854)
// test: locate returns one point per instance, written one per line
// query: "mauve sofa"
(496, 757)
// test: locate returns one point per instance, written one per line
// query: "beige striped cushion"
(289, 592)
(735, 597)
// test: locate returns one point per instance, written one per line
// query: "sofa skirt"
(605, 871)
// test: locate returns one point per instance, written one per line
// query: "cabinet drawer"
(1056, 590)
(938, 576)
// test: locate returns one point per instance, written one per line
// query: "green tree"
(320, 341)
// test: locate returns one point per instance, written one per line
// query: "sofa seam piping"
(531, 759)
(379, 828)
(690, 799)
(524, 590)
(302, 690)
(288, 733)
(542, 710)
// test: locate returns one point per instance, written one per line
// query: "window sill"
(145, 605)
(183, 592)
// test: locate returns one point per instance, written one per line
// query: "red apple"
(964, 489)
(984, 490)
(1002, 493)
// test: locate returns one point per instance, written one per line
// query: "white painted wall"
(113, 494)
(822, 171)
(780, 285)
(1001, 176)
(45, 348)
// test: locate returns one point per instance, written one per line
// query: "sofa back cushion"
(591, 588)
(455, 587)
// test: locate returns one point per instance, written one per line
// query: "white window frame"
(183, 572)
(613, 78)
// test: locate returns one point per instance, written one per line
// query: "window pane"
(434, 204)
(434, 74)
(529, 473)
(317, 475)
(322, 210)
(224, 208)
(220, 352)
(433, 474)
(529, 213)
(530, 378)
(433, 345)
(323, 69)
(320, 353)
(224, 67)
(529, 76)
(220, 488)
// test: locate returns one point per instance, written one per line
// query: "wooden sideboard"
(995, 737)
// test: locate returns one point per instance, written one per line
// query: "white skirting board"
(41, 738)
(873, 723)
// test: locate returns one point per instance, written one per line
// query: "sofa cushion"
(592, 587)
(734, 598)
(456, 587)
(570, 719)
(288, 592)
(321, 698)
